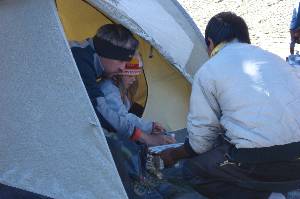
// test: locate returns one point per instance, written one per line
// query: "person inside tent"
(119, 92)
(243, 122)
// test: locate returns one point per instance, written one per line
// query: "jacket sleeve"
(140, 123)
(114, 101)
(85, 67)
(203, 118)
(111, 119)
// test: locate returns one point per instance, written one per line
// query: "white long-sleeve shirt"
(247, 93)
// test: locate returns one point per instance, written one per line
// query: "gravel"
(268, 20)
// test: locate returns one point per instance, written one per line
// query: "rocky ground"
(268, 20)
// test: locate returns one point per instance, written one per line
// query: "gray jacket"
(114, 101)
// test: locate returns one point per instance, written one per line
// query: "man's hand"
(172, 155)
(168, 156)
(156, 139)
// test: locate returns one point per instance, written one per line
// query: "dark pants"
(127, 161)
(216, 176)
(209, 178)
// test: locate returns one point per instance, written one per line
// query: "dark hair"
(118, 35)
(226, 26)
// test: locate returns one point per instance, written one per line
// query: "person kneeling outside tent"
(243, 122)
(104, 56)
(119, 92)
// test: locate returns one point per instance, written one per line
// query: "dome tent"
(51, 140)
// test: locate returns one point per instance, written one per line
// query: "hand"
(156, 139)
(168, 157)
(172, 155)
(157, 128)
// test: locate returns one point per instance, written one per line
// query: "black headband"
(108, 50)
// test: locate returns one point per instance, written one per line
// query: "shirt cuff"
(136, 134)
(188, 148)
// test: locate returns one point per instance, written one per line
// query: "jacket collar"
(221, 45)
(97, 61)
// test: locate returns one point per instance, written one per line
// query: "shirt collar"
(221, 45)
(217, 48)
(97, 61)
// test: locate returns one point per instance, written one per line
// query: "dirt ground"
(268, 20)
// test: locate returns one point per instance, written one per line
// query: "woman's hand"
(157, 128)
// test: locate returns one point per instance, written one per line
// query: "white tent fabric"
(164, 25)
(51, 142)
